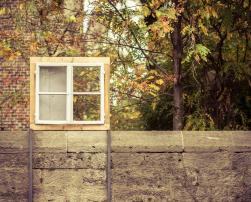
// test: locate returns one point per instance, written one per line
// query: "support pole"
(30, 165)
(108, 168)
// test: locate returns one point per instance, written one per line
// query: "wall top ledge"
(127, 141)
(213, 141)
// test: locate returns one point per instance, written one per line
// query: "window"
(69, 91)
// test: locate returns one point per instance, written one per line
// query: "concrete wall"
(145, 166)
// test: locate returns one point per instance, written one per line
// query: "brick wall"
(14, 80)
(145, 166)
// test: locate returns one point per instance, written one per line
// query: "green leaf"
(146, 11)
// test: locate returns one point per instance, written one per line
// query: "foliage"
(138, 36)
(216, 70)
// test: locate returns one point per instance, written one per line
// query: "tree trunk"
(177, 89)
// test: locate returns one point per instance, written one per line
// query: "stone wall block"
(49, 141)
(69, 160)
(208, 161)
(215, 141)
(14, 183)
(146, 141)
(69, 185)
(11, 160)
(87, 141)
(13, 142)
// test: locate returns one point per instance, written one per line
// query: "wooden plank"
(68, 127)
(105, 60)
(107, 91)
(32, 92)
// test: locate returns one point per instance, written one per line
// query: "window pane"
(52, 79)
(52, 107)
(86, 107)
(86, 79)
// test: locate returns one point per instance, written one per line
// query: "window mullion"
(71, 93)
(68, 106)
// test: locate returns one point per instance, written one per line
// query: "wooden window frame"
(69, 62)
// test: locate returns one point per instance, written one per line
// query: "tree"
(190, 35)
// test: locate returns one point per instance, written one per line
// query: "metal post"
(108, 168)
(30, 165)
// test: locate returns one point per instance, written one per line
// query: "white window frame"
(69, 93)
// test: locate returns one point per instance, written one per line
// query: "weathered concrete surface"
(14, 184)
(11, 160)
(49, 141)
(179, 177)
(13, 166)
(87, 141)
(204, 166)
(146, 141)
(69, 185)
(213, 141)
(69, 160)
(13, 142)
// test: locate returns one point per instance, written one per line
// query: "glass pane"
(86, 107)
(52, 107)
(86, 79)
(52, 79)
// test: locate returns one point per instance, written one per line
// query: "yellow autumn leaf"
(159, 82)
(71, 18)
(153, 105)
(2, 11)
(171, 13)
(203, 28)
(154, 87)
(153, 94)
(150, 77)
(153, 72)
(145, 11)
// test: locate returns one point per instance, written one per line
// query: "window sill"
(69, 127)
